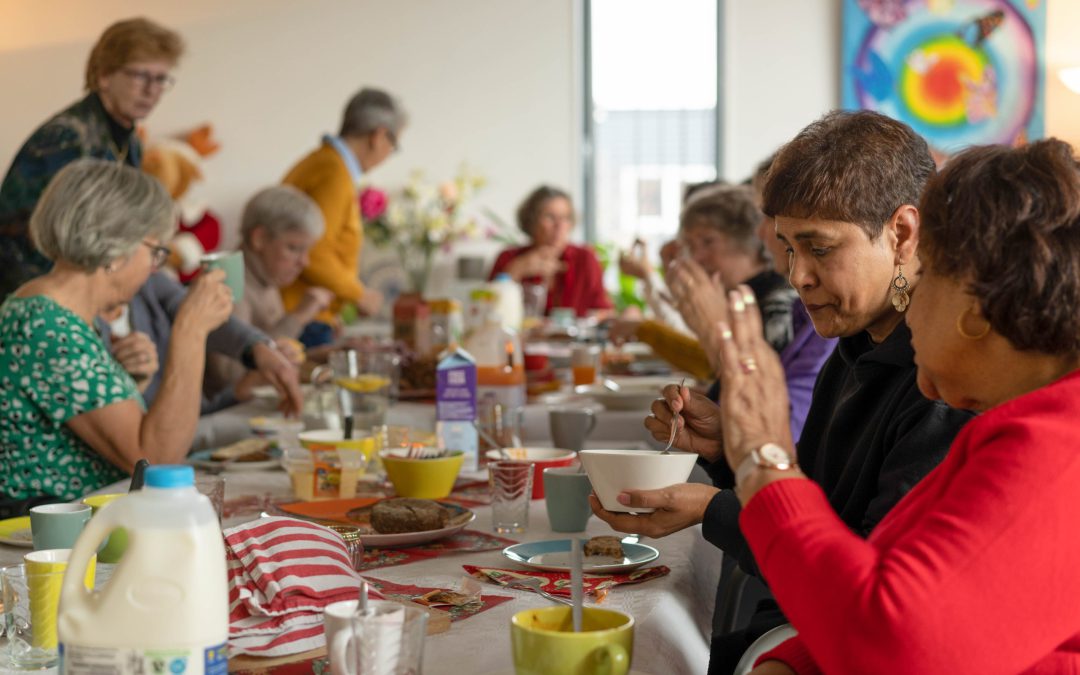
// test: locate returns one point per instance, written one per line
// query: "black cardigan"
(869, 437)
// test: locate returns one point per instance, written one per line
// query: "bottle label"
(455, 393)
(79, 660)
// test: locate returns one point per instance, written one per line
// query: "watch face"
(774, 454)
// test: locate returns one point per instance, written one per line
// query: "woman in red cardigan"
(976, 569)
(571, 273)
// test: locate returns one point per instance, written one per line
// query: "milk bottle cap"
(170, 476)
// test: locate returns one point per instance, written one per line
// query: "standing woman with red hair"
(129, 69)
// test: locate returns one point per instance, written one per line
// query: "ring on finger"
(748, 364)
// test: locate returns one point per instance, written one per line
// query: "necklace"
(120, 155)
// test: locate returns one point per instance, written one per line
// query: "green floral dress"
(53, 367)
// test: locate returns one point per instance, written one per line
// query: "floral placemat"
(458, 609)
(558, 583)
(466, 541)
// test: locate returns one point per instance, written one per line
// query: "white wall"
(485, 81)
(781, 71)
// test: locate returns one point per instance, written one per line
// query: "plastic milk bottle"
(166, 607)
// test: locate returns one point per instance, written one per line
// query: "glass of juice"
(585, 364)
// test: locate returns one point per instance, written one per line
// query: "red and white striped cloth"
(282, 573)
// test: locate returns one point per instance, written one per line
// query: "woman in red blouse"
(571, 273)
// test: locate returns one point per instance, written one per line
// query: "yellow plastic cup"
(543, 642)
(45, 572)
(116, 544)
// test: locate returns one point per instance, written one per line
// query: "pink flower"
(372, 203)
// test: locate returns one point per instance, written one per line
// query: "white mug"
(387, 641)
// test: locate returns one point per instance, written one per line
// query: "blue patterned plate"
(554, 556)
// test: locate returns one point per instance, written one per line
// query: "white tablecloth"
(673, 613)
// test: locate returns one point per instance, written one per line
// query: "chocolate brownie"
(397, 516)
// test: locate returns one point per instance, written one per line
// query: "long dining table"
(672, 613)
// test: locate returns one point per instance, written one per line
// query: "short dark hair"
(1008, 221)
(728, 209)
(529, 211)
(856, 167)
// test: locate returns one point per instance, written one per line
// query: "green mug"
(543, 642)
(232, 263)
(55, 526)
(116, 543)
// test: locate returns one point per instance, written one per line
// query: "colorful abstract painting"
(960, 72)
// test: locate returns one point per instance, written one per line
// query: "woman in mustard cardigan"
(372, 124)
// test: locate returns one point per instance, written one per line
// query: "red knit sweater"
(976, 570)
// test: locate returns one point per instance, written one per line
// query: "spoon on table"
(674, 425)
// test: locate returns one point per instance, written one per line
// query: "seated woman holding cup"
(279, 226)
(974, 570)
(72, 418)
(843, 195)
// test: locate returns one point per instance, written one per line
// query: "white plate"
(201, 460)
(460, 517)
(554, 556)
(636, 398)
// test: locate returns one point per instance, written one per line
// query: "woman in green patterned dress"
(71, 419)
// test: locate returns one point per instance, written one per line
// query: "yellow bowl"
(422, 478)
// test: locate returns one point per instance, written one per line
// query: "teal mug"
(58, 525)
(232, 264)
(566, 494)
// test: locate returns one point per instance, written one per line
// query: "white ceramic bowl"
(613, 471)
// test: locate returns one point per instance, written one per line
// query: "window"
(652, 114)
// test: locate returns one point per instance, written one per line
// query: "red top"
(976, 570)
(581, 286)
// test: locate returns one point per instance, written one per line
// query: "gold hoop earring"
(967, 335)
(900, 297)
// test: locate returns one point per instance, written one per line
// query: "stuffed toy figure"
(177, 163)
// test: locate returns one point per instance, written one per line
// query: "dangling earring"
(964, 333)
(900, 297)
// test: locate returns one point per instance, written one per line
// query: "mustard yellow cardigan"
(334, 259)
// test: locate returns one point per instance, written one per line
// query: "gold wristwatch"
(768, 456)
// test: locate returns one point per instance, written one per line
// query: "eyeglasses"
(159, 254)
(148, 79)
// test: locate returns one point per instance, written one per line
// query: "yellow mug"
(543, 642)
(45, 572)
(116, 543)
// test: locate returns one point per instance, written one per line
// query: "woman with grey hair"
(71, 419)
(279, 226)
(370, 129)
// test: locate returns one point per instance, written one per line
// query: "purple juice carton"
(455, 404)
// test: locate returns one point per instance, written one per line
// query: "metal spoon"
(674, 424)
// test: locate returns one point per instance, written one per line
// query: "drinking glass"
(29, 646)
(367, 383)
(511, 490)
(585, 363)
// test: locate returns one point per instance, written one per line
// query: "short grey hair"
(371, 109)
(94, 211)
(281, 209)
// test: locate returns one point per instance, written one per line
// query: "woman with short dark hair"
(869, 434)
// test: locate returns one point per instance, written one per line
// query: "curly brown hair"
(529, 211)
(856, 167)
(1007, 220)
(128, 41)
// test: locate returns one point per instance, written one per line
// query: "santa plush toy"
(177, 163)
